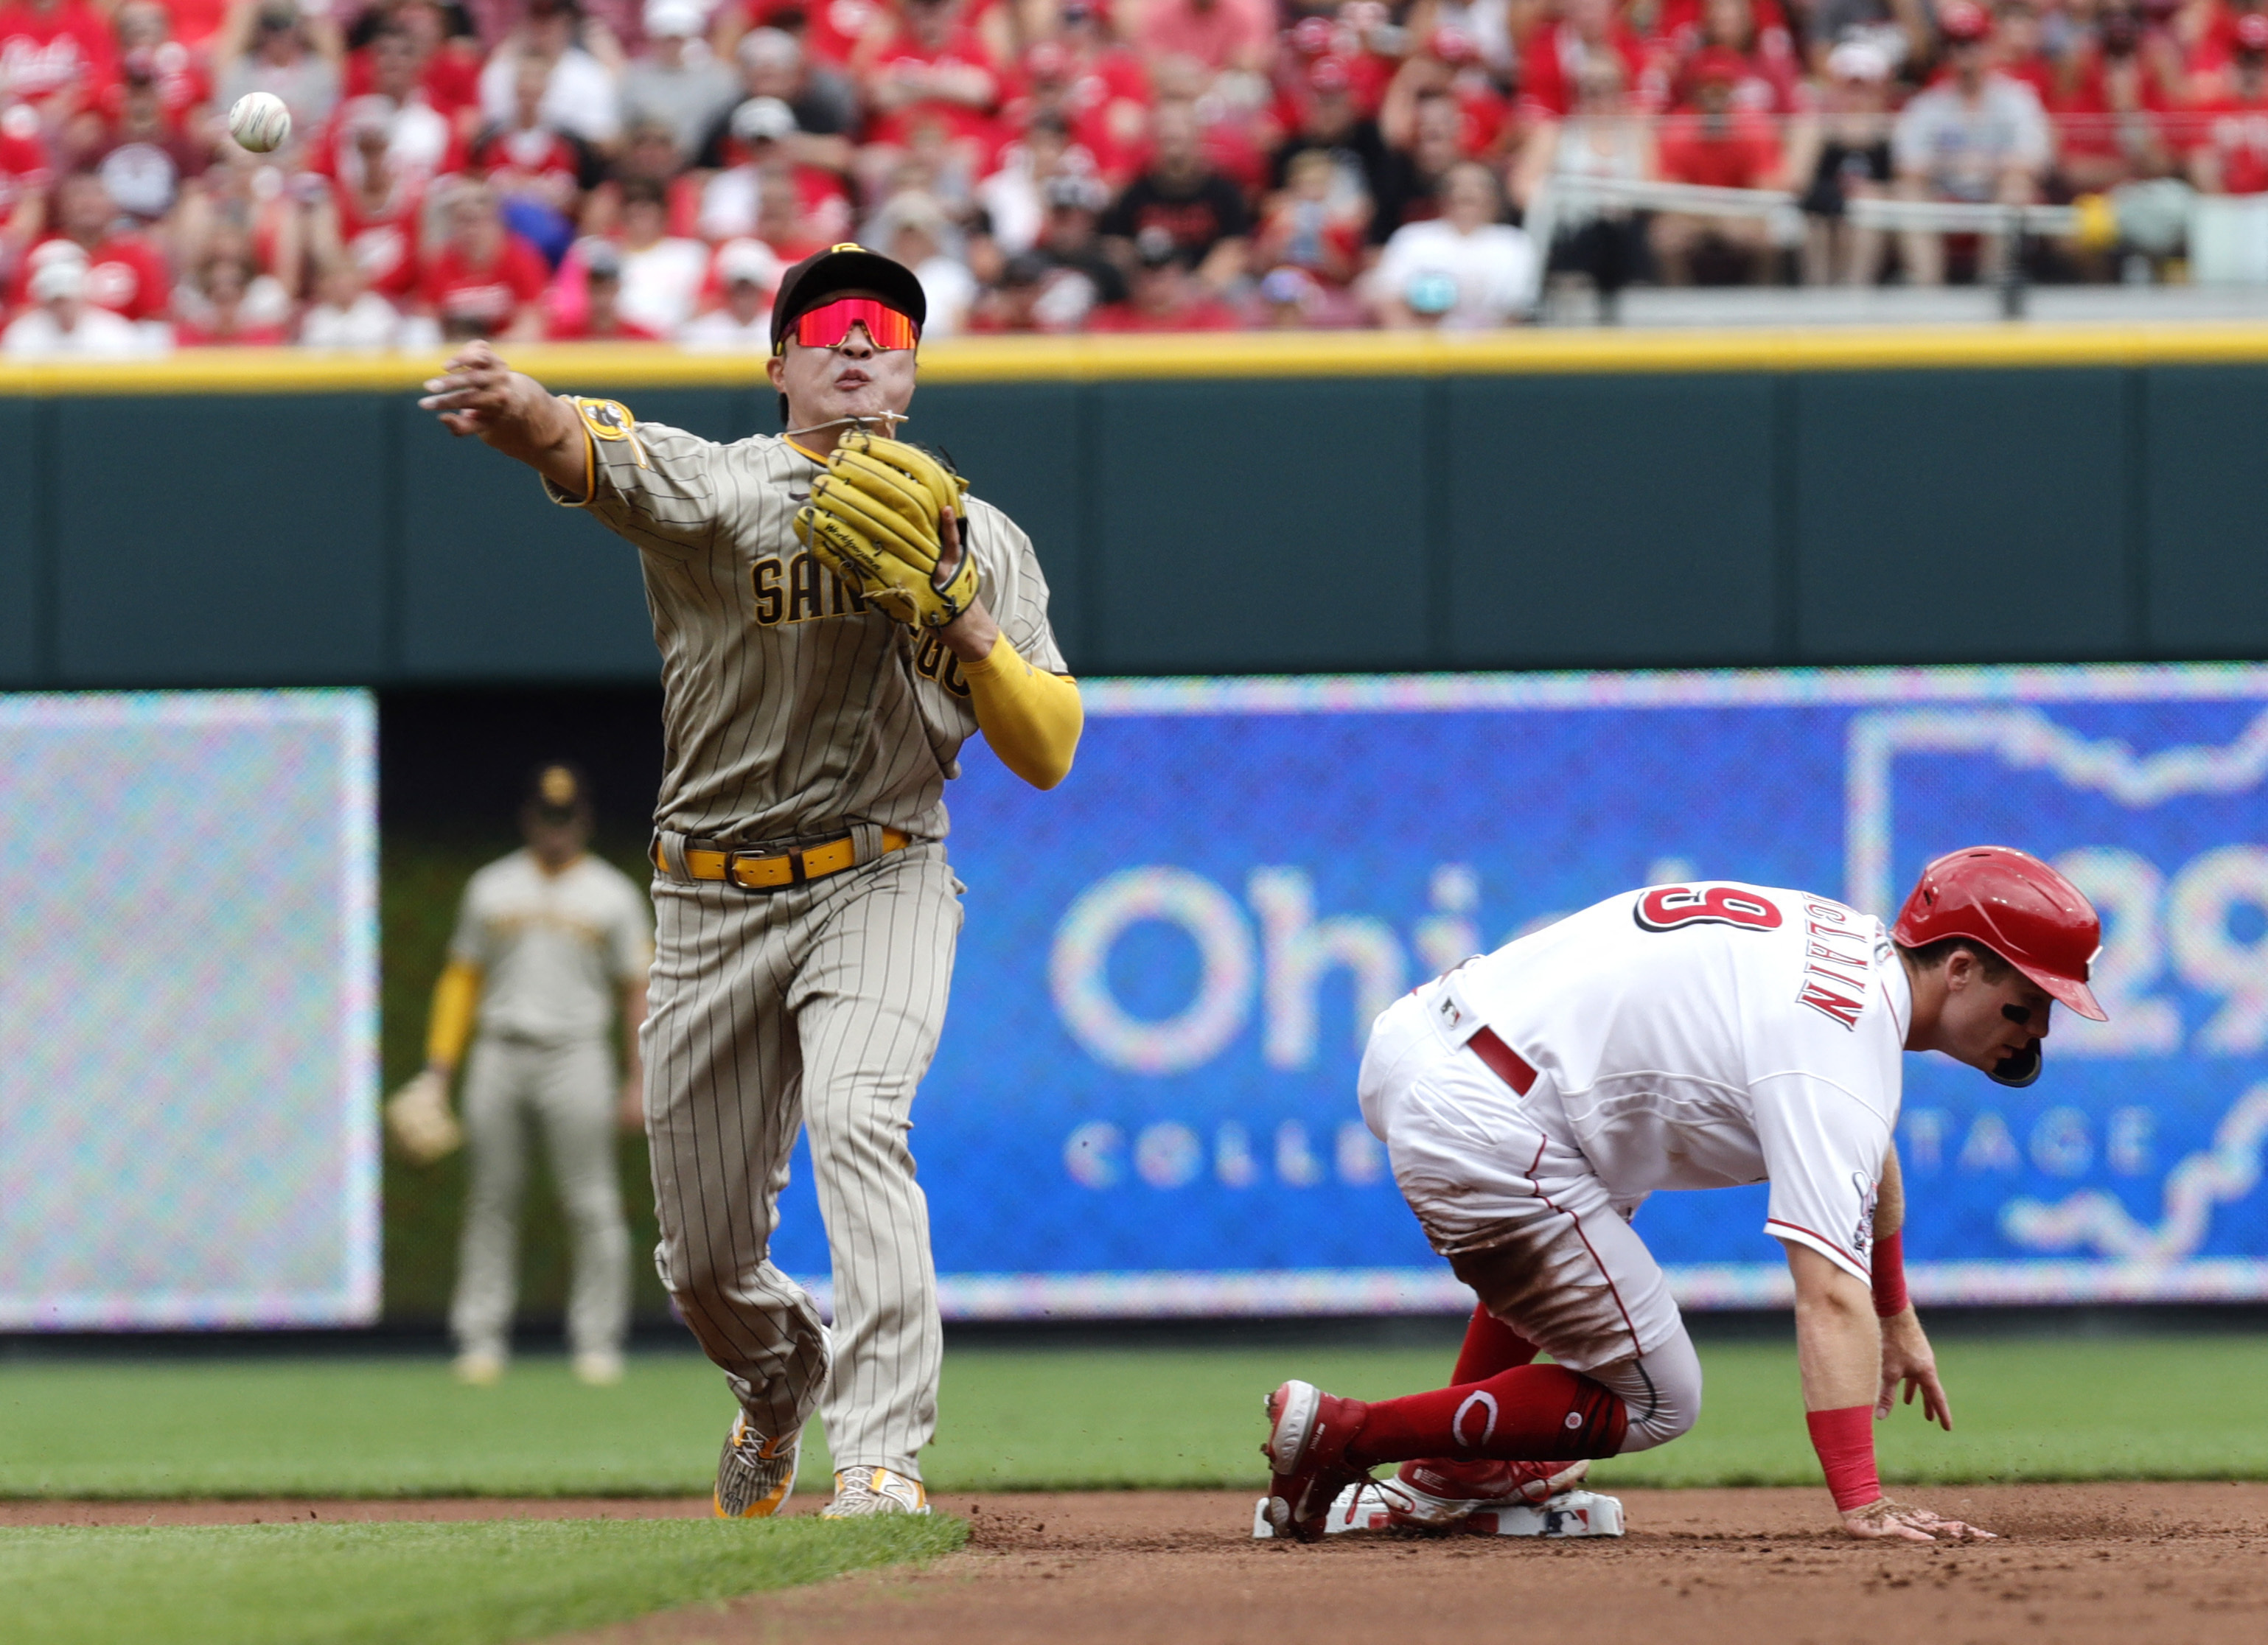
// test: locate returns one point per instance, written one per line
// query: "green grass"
(454, 1584)
(2025, 1409)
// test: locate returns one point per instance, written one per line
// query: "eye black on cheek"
(2016, 1013)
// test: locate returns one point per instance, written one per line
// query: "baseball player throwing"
(1679, 1037)
(825, 602)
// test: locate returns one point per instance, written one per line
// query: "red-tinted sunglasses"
(829, 325)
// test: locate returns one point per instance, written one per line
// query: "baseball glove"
(889, 519)
(417, 1117)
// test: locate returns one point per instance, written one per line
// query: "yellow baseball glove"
(890, 519)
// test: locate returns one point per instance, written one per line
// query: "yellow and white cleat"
(861, 1491)
(599, 1369)
(478, 1370)
(755, 1474)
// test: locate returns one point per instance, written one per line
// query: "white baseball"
(260, 121)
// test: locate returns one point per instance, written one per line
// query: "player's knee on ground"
(1659, 1391)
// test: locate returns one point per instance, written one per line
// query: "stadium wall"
(1351, 504)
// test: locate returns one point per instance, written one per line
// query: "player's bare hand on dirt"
(1907, 1361)
(1889, 1520)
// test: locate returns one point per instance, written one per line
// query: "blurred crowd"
(608, 169)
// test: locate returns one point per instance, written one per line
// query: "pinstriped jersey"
(792, 709)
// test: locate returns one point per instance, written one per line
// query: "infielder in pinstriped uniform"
(807, 914)
(548, 941)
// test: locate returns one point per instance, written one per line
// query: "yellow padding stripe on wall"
(626, 367)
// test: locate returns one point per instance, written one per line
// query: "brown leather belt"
(1502, 1061)
(761, 871)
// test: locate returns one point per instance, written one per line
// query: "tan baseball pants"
(816, 1007)
(512, 1086)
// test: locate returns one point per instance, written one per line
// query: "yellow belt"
(755, 870)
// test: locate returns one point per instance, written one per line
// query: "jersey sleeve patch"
(611, 421)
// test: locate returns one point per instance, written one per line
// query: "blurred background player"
(550, 943)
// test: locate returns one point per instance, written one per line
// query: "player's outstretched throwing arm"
(886, 516)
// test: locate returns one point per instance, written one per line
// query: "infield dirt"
(2076, 1563)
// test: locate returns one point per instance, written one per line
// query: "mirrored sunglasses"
(829, 325)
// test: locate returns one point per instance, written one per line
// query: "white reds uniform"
(1694, 1036)
(555, 953)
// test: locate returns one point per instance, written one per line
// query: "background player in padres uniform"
(550, 941)
(807, 916)
(1681, 1036)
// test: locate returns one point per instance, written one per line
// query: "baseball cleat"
(598, 1370)
(1439, 1493)
(478, 1370)
(1308, 1432)
(861, 1491)
(755, 1474)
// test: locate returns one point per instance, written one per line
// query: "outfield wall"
(1255, 504)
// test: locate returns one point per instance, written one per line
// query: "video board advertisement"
(1144, 1104)
(188, 1011)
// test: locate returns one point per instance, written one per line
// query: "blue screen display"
(1144, 1099)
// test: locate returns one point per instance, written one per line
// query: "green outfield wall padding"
(2202, 573)
(1204, 524)
(192, 539)
(22, 575)
(1588, 517)
(1962, 516)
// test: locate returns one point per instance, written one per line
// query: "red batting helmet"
(2016, 905)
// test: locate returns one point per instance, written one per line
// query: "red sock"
(1491, 1345)
(1528, 1414)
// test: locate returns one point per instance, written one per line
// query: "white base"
(1569, 1514)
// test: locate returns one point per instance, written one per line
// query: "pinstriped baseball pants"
(817, 1006)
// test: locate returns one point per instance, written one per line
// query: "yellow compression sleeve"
(454, 996)
(1031, 717)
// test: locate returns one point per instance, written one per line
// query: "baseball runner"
(825, 602)
(550, 941)
(1679, 1037)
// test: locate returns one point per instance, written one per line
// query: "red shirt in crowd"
(538, 161)
(383, 240)
(125, 273)
(1763, 81)
(420, 143)
(488, 296)
(1086, 91)
(2235, 128)
(25, 173)
(181, 83)
(2087, 122)
(1548, 63)
(905, 58)
(1741, 152)
(44, 53)
(451, 78)
(830, 28)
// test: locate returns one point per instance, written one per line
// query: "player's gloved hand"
(1885, 1519)
(418, 1120)
(888, 517)
(1908, 1360)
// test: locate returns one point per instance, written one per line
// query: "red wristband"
(1844, 1441)
(1890, 1274)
